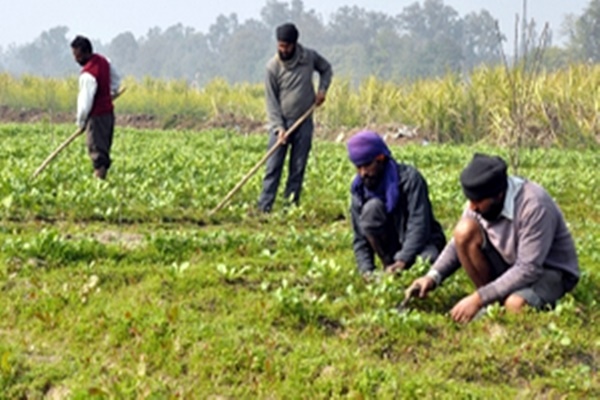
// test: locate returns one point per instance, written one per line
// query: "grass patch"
(127, 288)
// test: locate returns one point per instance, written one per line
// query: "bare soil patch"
(395, 133)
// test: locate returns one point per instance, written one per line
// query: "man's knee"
(514, 303)
(373, 216)
(467, 231)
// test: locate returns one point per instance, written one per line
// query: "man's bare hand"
(424, 285)
(281, 136)
(465, 310)
(320, 98)
(396, 267)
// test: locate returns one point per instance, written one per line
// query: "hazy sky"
(24, 20)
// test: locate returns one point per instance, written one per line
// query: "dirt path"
(394, 133)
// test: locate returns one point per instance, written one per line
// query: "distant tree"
(178, 52)
(357, 25)
(183, 50)
(428, 38)
(221, 31)
(436, 33)
(431, 21)
(354, 32)
(556, 58)
(309, 23)
(275, 13)
(150, 55)
(482, 40)
(194, 53)
(350, 61)
(388, 54)
(123, 51)
(244, 54)
(584, 33)
(48, 55)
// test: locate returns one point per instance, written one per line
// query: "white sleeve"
(85, 98)
(115, 80)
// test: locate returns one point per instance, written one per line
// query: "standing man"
(98, 84)
(289, 94)
(391, 212)
(512, 241)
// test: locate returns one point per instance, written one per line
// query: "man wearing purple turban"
(391, 212)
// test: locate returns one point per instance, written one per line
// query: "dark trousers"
(99, 139)
(381, 231)
(541, 294)
(300, 142)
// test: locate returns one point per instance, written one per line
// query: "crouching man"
(391, 212)
(512, 241)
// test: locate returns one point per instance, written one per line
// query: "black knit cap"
(484, 177)
(287, 33)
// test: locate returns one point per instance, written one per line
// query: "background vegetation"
(560, 107)
(427, 39)
(127, 288)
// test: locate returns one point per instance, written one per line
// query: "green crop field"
(128, 288)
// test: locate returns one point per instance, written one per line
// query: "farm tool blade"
(403, 306)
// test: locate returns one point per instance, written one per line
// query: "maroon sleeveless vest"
(99, 68)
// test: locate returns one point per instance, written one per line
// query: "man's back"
(99, 68)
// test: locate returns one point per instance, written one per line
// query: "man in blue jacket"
(391, 211)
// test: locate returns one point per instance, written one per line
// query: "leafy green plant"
(126, 288)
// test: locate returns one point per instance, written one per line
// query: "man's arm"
(115, 80)
(418, 226)
(446, 264)
(274, 112)
(362, 249)
(443, 267)
(85, 98)
(323, 67)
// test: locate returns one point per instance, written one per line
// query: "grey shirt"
(530, 235)
(289, 86)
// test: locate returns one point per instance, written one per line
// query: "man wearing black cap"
(512, 241)
(289, 94)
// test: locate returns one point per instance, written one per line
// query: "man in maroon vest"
(98, 83)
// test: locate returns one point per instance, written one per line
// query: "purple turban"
(362, 149)
(365, 146)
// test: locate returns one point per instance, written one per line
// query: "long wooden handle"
(272, 150)
(57, 151)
